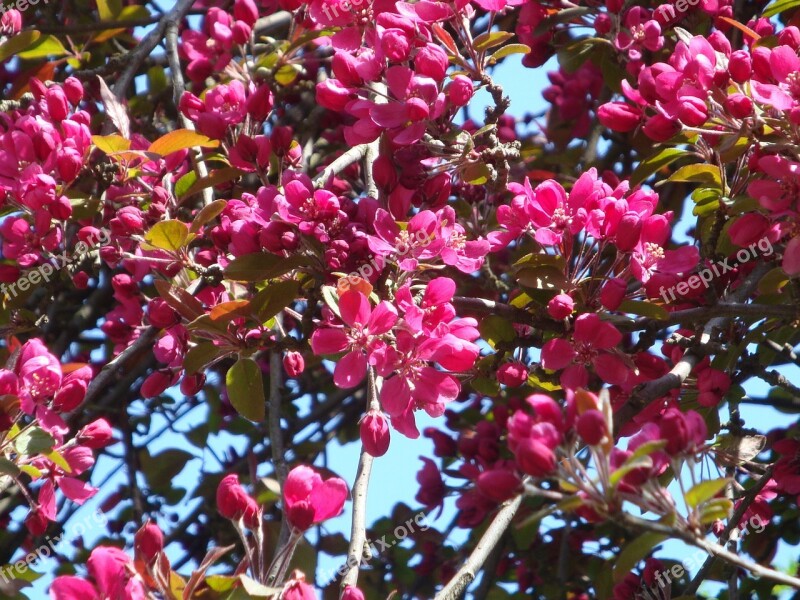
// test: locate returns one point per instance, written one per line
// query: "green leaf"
(256, 589)
(698, 173)
(630, 464)
(180, 139)
(273, 299)
(705, 490)
(575, 55)
(644, 309)
(634, 552)
(648, 448)
(112, 143)
(221, 583)
(543, 278)
(286, 74)
(207, 214)
(508, 51)
(161, 469)
(199, 356)
(716, 509)
(778, 7)
(16, 44)
(476, 173)
(48, 45)
(169, 235)
(488, 40)
(8, 468)
(217, 177)
(653, 163)
(34, 441)
(246, 389)
(495, 329)
(262, 266)
(185, 183)
(109, 9)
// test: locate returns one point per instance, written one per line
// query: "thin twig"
(275, 433)
(135, 58)
(358, 526)
(178, 89)
(101, 382)
(733, 523)
(469, 570)
(355, 154)
(710, 547)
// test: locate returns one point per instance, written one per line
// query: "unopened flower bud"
(374, 432)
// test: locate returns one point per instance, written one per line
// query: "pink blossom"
(308, 500)
(592, 344)
(113, 574)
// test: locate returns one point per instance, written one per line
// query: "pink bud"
(233, 502)
(512, 374)
(245, 10)
(629, 230)
(675, 430)
(395, 45)
(73, 88)
(36, 522)
(161, 314)
(619, 116)
(97, 434)
(374, 432)
(57, 104)
(431, 61)
(148, 541)
(534, 458)
(352, 593)
(739, 66)
(192, 384)
(298, 589)
(498, 484)
(591, 426)
(602, 23)
(692, 111)
(156, 383)
(739, 106)
(259, 103)
(613, 293)
(293, 363)
(240, 32)
(660, 129)
(460, 90)
(385, 173)
(561, 306)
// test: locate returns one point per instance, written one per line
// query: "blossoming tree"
(282, 222)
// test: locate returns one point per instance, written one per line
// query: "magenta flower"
(309, 500)
(784, 66)
(359, 339)
(416, 99)
(649, 256)
(418, 241)
(592, 345)
(314, 211)
(780, 187)
(113, 574)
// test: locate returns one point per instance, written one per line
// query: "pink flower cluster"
(45, 392)
(403, 346)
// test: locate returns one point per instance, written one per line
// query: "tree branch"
(178, 89)
(712, 548)
(135, 58)
(469, 570)
(355, 154)
(358, 526)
